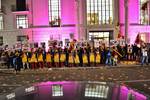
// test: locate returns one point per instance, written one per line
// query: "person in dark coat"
(59, 53)
(7, 59)
(18, 63)
(80, 54)
(88, 50)
(52, 52)
(44, 55)
(66, 51)
(108, 57)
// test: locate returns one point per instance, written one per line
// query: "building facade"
(44, 20)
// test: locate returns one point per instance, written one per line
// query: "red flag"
(27, 37)
(138, 39)
(119, 35)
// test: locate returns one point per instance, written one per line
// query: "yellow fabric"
(98, 58)
(24, 58)
(48, 58)
(70, 59)
(62, 58)
(85, 60)
(91, 57)
(40, 58)
(56, 58)
(33, 58)
(76, 59)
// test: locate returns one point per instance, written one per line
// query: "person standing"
(66, 51)
(18, 62)
(24, 60)
(88, 50)
(80, 54)
(40, 59)
(59, 54)
(130, 52)
(108, 57)
(52, 52)
(44, 56)
(144, 56)
(7, 59)
(56, 57)
(48, 59)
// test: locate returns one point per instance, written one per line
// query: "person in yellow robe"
(40, 60)
(48, 59)
(85, 59)
(92, 56)
(24, 60)
(62, 59)
(97, 58)
(33, 61)
(76, 58)
(70, 59)
(56, 58)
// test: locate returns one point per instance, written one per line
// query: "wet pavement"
(136, 77)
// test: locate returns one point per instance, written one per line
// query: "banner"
(18, 45)
(59, 43)
(31, 45)
(114, 42)
(96, 43)
(121, 42)
(25, 45)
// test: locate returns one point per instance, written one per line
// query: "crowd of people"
(74, 56)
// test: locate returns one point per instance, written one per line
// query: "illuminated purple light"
(133, 15)
(125, 91)
(69, 17)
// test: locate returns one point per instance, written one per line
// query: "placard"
(121, 42)
(96, 43)
(114, 42)
(18, 46)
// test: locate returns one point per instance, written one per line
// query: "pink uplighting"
(133, 19)
(125, 92)
(41, 31)
(38, 18)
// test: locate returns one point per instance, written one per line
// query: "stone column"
(0, 6)
(77, 19)
(126, 20)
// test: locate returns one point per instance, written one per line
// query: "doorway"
(104, 36)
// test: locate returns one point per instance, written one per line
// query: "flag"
(119, 35)
(138, 39)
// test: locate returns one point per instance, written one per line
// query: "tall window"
(98, 91)
(99, 12)
(22, 38)
(54, 12)
(22, 21)
(144, 12)
(57, 90)
(1, 22)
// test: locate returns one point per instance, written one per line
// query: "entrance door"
(102, 36)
